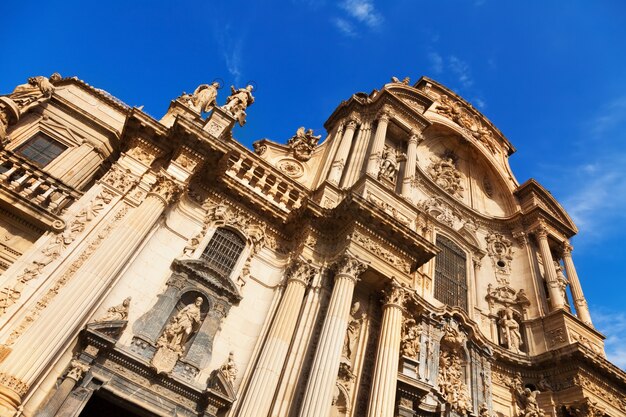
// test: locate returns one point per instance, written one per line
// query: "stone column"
(40, 344)
(342, 153)
(383, 395)
(556, 297)
(580, 303)
(319, 389)
(411, 160)
(379, 143)
(76, 372)
(260, 394)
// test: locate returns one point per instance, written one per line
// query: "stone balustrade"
(27, 180)
(265, 182)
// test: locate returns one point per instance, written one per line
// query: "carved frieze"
(381, 252)
(120, 179)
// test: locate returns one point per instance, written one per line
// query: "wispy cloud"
(357, 12)
(231, 49)
(436, 62)
(612, 115)
(344, 27)
(363, 11)
(613, 326)
(462, 71)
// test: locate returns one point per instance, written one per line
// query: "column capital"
(416, 136)
(76, 370)
(395, 294)
(567, 249)
(350, 265)
(166, 188)
(541, 231)
(384, 114)
(301, 271)
(352, 120)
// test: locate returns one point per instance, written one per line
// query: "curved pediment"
(202, 273)
(410, 96)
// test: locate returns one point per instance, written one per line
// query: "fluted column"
(319, 389)
(556, 297)
(411, 160)
(383, 395)
(580, 303)
(75, 373)
(37, 347)
(258, 399)
(379, 143)
(342, 153)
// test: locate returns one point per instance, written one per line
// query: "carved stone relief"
(411, 334)
(452, 380)
(116, 313)
(303, 143)
(445, 174)
(390, 164)
(292, 168)
(500, 251)
(441, 211)
(525, 397)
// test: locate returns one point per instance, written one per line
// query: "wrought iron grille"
(450, 274)
(223, 251)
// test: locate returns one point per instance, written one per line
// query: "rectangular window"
(450, 274)
(40, 149)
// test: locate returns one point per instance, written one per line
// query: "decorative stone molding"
(388, 208)
(166, 188)
(120, 179)
(290, 167)
(187, 159)
(53, 251)
(411, 338)
(143, 151)
(602, 389)
(381, 252)
(439, 210)
(445, 174)
(500, 251)
(15, 384)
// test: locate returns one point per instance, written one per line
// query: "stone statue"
(389, 164)
(204, 97)
(510, 331)
(531, 407)
(352, 333)
(410, 344)
(229, 369)
(23, 98)
(181, 327)
(303, 143)
(561, 280)
(396, 80)
(116, 313)
(192, 245)
(238, 102)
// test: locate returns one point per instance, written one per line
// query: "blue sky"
(551, 75)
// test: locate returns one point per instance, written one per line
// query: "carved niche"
(390, 165)
(444, 172)
(176, 335)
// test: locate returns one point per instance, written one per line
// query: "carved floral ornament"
(290, 167)
(350, 266)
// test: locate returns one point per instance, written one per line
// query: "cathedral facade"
(395, 267)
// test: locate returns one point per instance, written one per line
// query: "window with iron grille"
(223, 251)
(40, 149)
(450, 274)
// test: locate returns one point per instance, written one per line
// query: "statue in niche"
(116, 313)
(303, 143)
(204, 97)
(390, 164)
(443, 171)
(561, 280)
(229, 369)
(410, 345)
(181, 327)
(238, 102)
(353, 331)
(511, 335)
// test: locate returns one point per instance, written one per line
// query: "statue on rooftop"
(204, 97)
(238, 102)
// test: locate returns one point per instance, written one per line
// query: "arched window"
(223, 251)
(450, 274)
